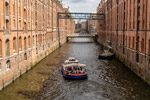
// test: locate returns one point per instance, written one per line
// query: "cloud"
(86, 6)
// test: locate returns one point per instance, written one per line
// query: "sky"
(83, 6)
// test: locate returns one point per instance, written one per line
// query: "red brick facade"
(28, 33)
(126, 29)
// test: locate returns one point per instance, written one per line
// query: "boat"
(74, 70)
(106, 55)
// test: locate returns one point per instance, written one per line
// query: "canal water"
(107, 80)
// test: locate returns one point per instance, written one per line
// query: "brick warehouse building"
(126, 29)
(29, 33)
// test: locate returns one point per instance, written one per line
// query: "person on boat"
(82, 70)
(75, 70)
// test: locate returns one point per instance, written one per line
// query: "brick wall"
(28, 33)
(126, 30)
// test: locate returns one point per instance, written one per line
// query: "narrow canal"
(108, 80)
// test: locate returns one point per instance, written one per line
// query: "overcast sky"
(87, 6)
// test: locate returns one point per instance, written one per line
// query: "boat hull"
(106, 57)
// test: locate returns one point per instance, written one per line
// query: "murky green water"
(108, 80)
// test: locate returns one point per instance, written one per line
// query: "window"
(133, 43)
(33, 40)
(36, 40)
(36, 51)
(29, 42)
(25, 44)
(25, 14)
(7, 48)
(149, 47)
(25, 56)
(14, 24)
(6, 9)
(7, 26)
(14, 45)
(20, 43)
(143, 15)
(19, 24)
(0, 48)
(126, 41)
(129, 41)
(142, 45)
(25, 27)
(8, 64)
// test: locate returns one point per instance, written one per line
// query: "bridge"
(77, 35)
(86, 16)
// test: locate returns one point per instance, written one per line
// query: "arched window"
(0, 48)
(20, 43)
(142, 45)
(39, 39)
(25, 56)
(7, 26)
(14, 45)
(36, 40)
(29, 42)
(7, 9)
(25, 43)
(8, 64)
(33, 40)
(7, 48)
(36, 51)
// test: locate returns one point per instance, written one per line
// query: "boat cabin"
(75, 68)
(72, 59)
